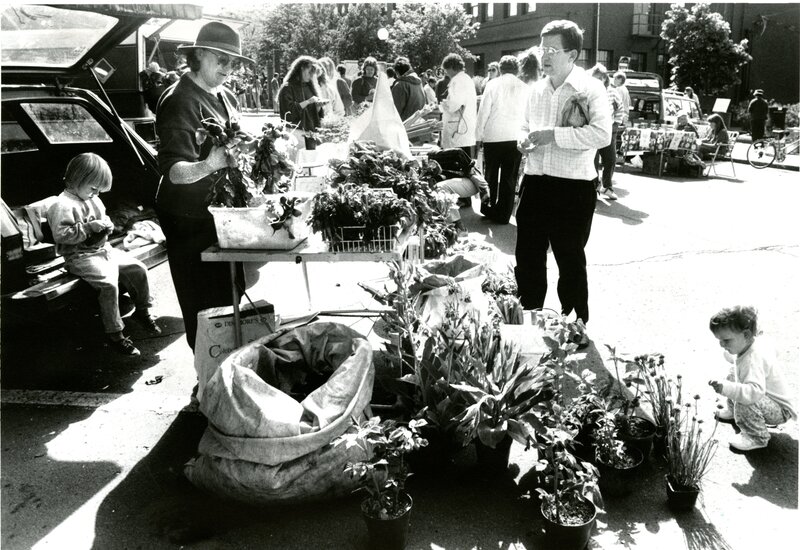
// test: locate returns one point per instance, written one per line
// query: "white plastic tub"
(250, 227)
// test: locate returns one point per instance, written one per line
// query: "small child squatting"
(80, 229)
(756, 388)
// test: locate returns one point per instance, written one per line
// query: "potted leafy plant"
(569, 485)
(502, 395)
(689, 455)
(382, 475)
(617, 461)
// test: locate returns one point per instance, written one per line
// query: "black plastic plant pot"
(640, 434)
(437, 456)
(493, 461)
(680, 497)
(660, 443)
(388, 534)
(569, 537)
(617, 481)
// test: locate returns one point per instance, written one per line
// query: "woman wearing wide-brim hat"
(188, 169)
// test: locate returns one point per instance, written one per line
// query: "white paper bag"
(214, 341)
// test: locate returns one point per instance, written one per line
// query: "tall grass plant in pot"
(382, 475)
(689, 455)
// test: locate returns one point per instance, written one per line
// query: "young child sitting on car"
(757, 392)
(80, 229)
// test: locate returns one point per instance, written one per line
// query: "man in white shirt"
(502, 107)
(558, 196)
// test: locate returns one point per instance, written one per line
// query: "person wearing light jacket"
(460, 107)
(502, 107)
(407, 91)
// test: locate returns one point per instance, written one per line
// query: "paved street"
(91, 453)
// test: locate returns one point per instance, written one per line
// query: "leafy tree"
(358, 33)
(426, 33)
(701, 51)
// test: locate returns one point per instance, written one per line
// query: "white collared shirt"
(572, 154)
(502, 107)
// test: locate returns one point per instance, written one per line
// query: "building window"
(646, 21)
(583, 58)
(510, 9)
(474, 10)
(605, 57)
(638, 61)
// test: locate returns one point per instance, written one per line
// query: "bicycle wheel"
(761, 153)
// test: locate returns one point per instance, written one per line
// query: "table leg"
(308, 286)
(237, 325)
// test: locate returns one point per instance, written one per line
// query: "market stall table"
(312, 250)
(657, 141)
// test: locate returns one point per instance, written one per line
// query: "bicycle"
(764, 152)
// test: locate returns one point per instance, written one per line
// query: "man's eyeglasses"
(224, 60)
(547, 50)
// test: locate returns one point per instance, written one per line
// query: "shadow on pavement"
(700, 534)
(30, 474)
(774, 476)
(155, 507)
(69, 353)
(618, 210)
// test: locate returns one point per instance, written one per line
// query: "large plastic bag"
(436, 278)
(381, 122)
(264, 445)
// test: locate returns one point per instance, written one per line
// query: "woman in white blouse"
(502, 107)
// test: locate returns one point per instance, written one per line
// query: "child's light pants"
(107, 269)
(753, 419)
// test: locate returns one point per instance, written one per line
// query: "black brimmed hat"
(220, 38)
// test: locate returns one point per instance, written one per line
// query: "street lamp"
(383, 33)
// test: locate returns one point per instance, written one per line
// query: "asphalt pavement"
(93, 444)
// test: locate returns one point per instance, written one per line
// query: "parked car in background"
(651, 103)
(46, 121)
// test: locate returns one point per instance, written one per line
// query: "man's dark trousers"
(556, 212)
(757, 128)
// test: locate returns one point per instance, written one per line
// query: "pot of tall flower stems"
(689, 454)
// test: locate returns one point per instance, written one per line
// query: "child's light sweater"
(69, 217)
(756, 374)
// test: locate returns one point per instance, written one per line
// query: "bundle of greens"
(357, 205)
(232, 187)
(333, 130)
(272, 167)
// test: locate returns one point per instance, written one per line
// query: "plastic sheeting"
(263, 445)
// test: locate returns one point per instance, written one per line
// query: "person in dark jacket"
(299, 100)
(407, 92)
(188, 169)
(363, 87)
(758, 109)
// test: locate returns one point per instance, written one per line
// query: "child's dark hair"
(736, 318)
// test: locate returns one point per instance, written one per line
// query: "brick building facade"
(632, 29)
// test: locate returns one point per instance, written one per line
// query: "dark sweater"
(179, 112)
(289, 98)
(408, 95)
(361, 87)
